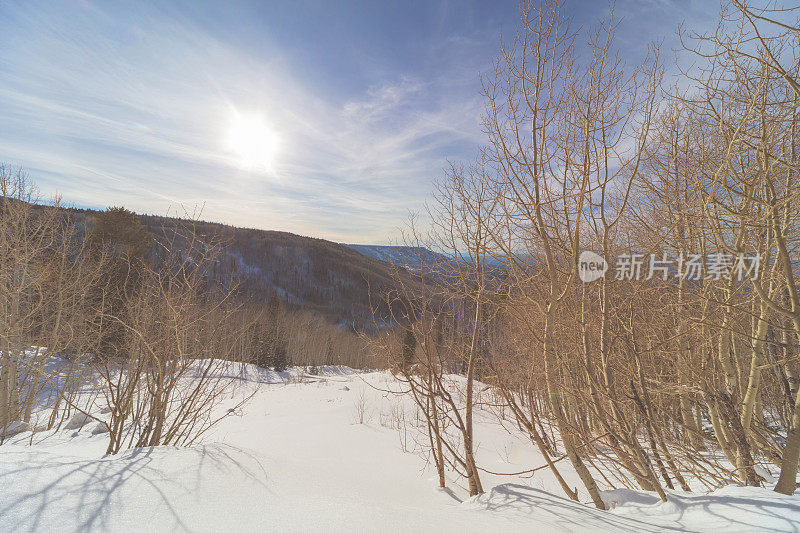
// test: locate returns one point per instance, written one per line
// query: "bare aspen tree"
(752, 201)
(179, 337)
(457, 296)
(45, 276)
(560, 135)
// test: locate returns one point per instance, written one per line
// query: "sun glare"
(253, 142)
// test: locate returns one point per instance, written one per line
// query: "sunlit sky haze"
(328, 119)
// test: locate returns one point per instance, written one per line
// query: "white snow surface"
(297, 458)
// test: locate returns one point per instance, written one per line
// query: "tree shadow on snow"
(740, 513)
(527, 502)
(730, 513)
(98, 491)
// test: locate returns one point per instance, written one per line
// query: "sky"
(328, 119)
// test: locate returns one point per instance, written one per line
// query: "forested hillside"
(306, 273)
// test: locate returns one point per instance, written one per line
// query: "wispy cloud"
(108, 108)
(111, 104)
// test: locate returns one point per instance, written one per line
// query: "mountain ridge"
(307, 273)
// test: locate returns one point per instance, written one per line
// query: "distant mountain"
(410, 257)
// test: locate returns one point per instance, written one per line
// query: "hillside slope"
(306, 272)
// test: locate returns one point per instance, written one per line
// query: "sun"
(253, 142)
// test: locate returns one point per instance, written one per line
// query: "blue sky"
(132, 103)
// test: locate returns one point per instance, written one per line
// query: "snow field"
(334, 452)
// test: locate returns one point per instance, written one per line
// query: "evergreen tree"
(330, 358)
(119, 235)
(409, 347)
(280, 357)
(261, 347)
(122, 233)
(270, 345)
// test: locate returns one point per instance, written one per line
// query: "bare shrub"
(181, 337)
(360, 404)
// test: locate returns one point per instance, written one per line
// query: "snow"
(296, 458)
(16, 427)
(77, 421)
(726, 509)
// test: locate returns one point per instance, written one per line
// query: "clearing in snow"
(336, 452)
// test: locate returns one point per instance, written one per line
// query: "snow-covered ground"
(334, 452)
